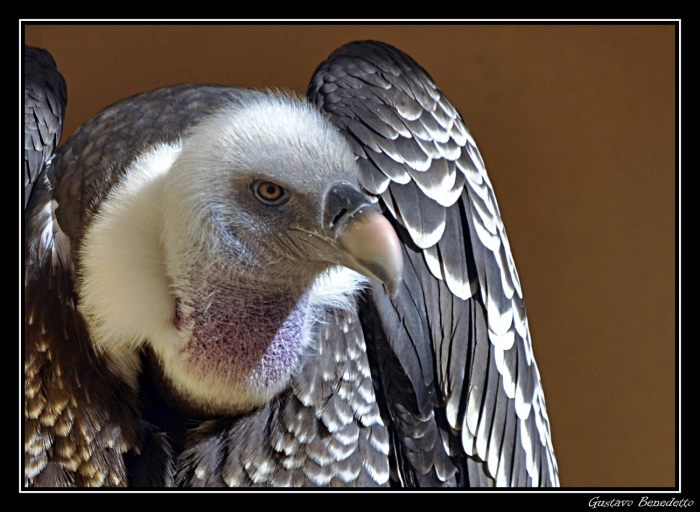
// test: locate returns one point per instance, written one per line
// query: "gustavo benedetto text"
(644, 501)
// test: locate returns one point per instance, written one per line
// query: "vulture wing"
(71, 432)
(44, 108)
(457, 382)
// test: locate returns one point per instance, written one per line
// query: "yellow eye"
(269, 193)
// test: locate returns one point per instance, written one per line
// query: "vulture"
(227, 287)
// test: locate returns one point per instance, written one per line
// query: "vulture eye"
(270, 193)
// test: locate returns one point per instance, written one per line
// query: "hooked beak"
(364, 239)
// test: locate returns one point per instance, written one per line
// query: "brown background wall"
(577, 128)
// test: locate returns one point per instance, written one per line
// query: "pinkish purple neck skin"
(241, 336)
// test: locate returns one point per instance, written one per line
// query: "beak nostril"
(342, 202)
(340, 215)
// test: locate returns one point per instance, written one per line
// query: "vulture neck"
(242, 334)
(235, 326)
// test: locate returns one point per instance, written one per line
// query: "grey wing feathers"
(44, 109)
(453, 349)
(70, 438)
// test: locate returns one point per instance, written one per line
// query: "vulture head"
(221, 249)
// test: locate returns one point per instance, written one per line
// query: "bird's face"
(281, 195)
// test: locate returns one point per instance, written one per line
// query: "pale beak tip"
(373, 249)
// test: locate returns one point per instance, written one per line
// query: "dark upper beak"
(366, 241)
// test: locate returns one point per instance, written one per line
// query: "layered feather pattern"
(45, 99)
(473, 344)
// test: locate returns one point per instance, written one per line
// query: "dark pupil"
(271, 190)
